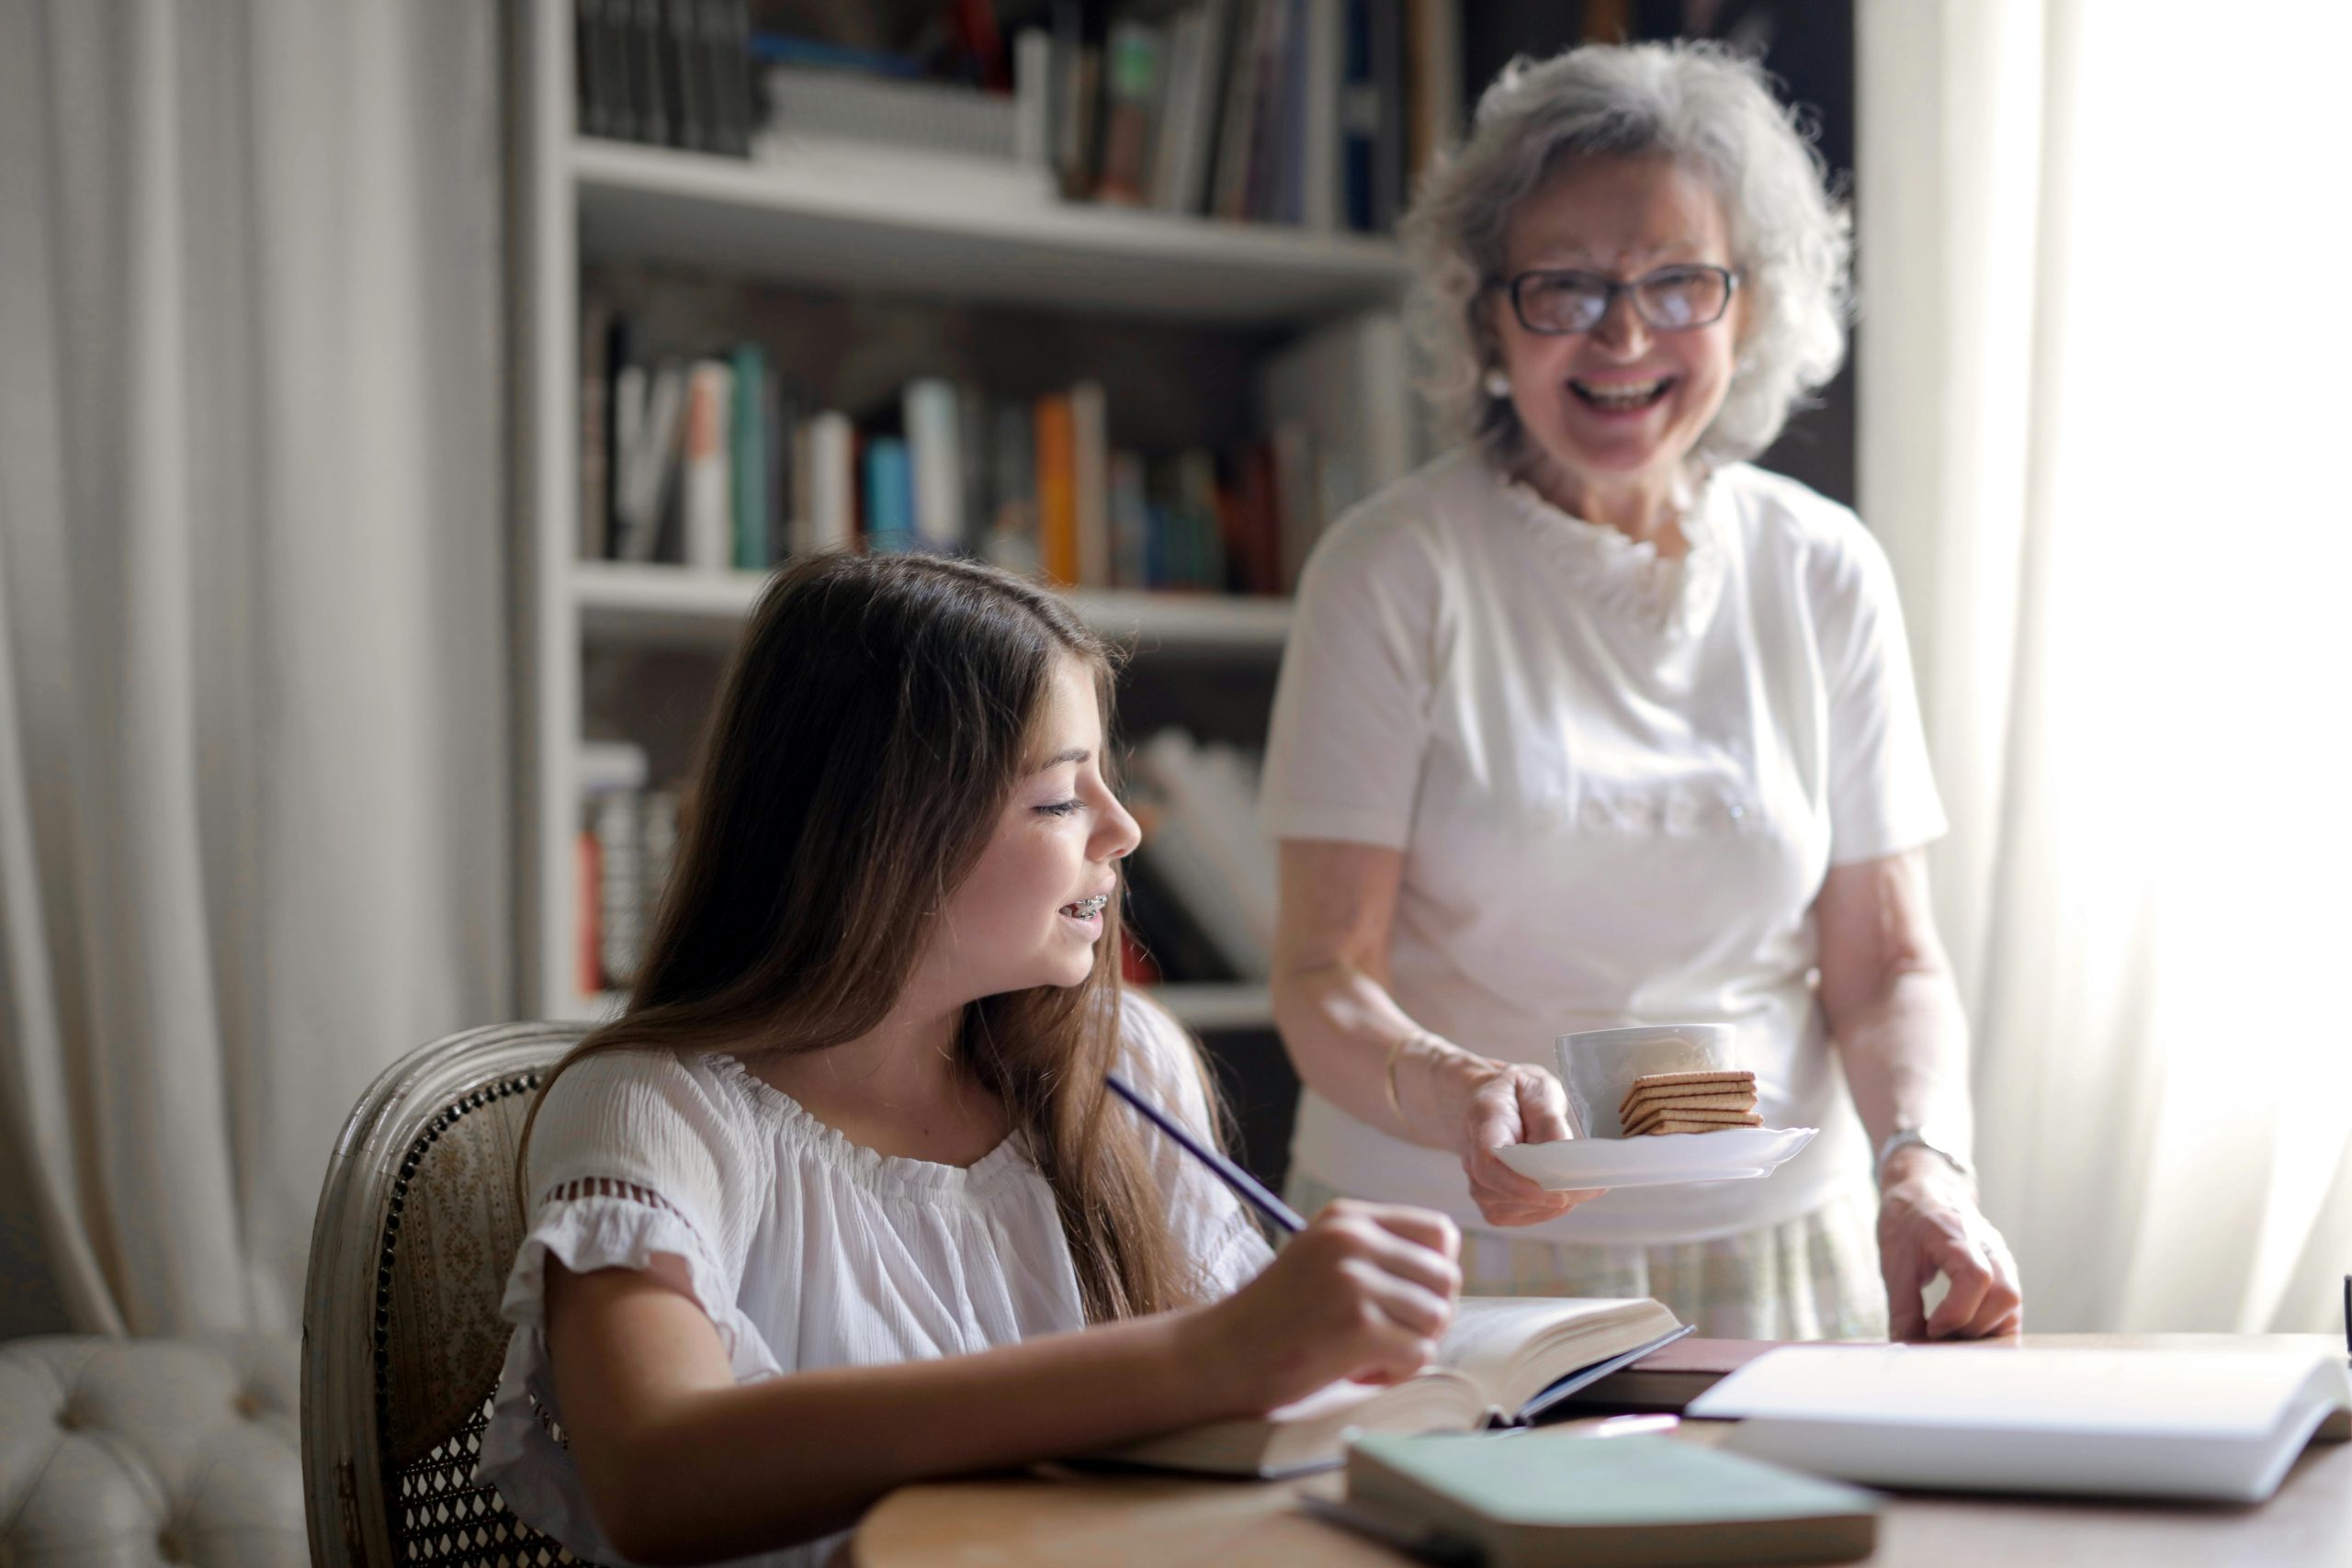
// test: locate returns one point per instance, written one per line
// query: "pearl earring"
(1498, 383)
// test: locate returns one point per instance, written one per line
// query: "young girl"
(854, 1130)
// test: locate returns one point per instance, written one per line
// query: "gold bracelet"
(1396, 1054)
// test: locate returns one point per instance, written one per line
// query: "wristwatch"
(1912, 1138)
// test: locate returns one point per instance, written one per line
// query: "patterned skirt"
(1815, 1277)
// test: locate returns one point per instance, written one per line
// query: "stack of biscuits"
(1688, 1102)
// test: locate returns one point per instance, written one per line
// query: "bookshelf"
(880, 226)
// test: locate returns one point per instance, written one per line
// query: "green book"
(1527, 1501)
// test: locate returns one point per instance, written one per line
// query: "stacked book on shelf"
(673, 73)
(1200, 886)
(718, 463)
(1316, 113)
(627, 836)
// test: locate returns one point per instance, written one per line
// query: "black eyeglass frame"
(1613, 287)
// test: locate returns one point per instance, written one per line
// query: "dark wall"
(1808, 45)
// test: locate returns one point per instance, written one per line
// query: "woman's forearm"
(1906, 1056)
(1343, 1027)
(721, 1473)
(1892, 1007)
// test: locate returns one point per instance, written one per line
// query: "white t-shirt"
(1618, 782)
(805, 1249)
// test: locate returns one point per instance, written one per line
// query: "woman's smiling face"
(1030, 913)
(1624, 403)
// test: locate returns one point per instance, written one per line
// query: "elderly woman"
(1590, 723)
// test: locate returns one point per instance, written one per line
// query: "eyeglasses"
(1671, 300)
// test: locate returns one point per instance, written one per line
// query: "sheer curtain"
(252, 740)
(2102, 356)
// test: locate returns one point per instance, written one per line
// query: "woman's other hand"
(1365, 1291)
(1928, 1224)
(1495, 1104)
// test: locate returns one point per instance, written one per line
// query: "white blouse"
(1618, 781)
(805, 1250)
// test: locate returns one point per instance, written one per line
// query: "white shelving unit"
(814, 223)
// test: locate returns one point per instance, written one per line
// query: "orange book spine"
(588, 895)
(1058, 490)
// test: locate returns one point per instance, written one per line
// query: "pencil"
(1232, 1174)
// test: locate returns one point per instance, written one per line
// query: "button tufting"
(172, 1546)
(68, 1418)
(247, 1404)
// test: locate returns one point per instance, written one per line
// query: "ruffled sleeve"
(1212, 1225)
(635, 1155)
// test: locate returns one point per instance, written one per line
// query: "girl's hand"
(1362, 1292)
(1492, 1104)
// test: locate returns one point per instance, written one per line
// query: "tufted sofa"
(143, 1451)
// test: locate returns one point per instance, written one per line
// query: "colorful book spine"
(1057, 491)
(747, 456)
(890, 495)
(708, 499)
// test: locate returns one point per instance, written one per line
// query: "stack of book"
(627, 836)
(718, 462)
(673, 73)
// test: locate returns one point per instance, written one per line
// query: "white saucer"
(1735, 1154)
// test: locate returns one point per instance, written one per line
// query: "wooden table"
(1069, 1521)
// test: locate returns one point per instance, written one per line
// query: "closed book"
(1130, 522)
(1090, 482)
(825, 473)
(1012, 541)
(1630, 1501)
(1494, 1363)
(649, 409)
(935, 450)
(1131, 94)
(1668, 1381)
(1057, 491)
(596, 429)
(2216, 1425)
(747, 456)
(890, 495)
(1179, 109)
(709, 496)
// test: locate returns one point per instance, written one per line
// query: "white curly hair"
(1710, 111)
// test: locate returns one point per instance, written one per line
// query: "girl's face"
(1031, 912)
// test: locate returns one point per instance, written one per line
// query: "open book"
(2222, 1425)
(1504, 1360)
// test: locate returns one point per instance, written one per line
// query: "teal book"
(747, 438)
(1532, 1500)
(889, 496)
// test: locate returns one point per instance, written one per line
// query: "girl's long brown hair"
(875, 720)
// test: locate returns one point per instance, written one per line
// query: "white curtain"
(253, 774)
(2103, 361)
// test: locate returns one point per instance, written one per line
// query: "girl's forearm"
(727, 1471)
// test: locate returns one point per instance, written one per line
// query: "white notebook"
(2222, 1425)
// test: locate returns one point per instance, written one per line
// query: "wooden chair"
(401, 1340)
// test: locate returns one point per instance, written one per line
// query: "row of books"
(1309, 112)
(716, 464)
(1201, 884)
(674, 73)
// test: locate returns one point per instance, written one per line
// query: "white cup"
(1599, 1066)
